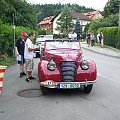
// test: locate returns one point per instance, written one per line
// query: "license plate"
(68, 85)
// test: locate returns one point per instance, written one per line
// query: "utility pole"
(14, 33)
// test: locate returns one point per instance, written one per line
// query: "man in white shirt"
(28, 54)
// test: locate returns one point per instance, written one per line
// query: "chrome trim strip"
(55, 84)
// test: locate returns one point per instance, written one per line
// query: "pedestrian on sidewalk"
(88, 38)
(102, 40)
(99, 39)
(92, 38)
(29, 53)
(20, 45)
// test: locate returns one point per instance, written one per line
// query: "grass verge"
(7, 60)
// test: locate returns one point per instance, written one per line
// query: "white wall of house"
(55, 25)
(83, 23)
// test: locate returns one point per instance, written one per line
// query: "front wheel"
(88, 88)
(44, 90)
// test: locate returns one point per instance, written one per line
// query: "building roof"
(81, 16)
(75, 15)
(47, 20)
(92, 14)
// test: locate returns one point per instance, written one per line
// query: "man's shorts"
(22, 60)
(29, 64)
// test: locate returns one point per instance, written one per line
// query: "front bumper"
(52, 84)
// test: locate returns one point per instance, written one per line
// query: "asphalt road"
(101, 104)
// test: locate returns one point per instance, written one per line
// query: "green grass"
(7, 60)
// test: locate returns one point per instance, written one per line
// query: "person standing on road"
(99, 39)
(102, 40)
(29, 53)
(88, 38)
(20, 45)
(92, 38)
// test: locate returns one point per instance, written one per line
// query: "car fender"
(45, 74)
(90, 74)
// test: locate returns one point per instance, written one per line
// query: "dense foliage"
(111, 8)
(111, 36)
(24, 13)
(7, 37)
(110, 21)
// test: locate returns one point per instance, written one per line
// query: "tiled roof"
(91, 14)
(47, 20)
(80, 15)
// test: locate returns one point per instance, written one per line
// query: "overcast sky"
(96, 4)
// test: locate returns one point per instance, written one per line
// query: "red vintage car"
(62, 66)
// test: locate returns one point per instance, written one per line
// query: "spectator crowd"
(91, 39)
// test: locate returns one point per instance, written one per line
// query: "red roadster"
(62, 66)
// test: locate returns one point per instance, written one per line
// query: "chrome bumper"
(52, 84)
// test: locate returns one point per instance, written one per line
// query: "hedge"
(111, 36)
(7, 37)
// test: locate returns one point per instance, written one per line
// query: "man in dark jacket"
(20, 45)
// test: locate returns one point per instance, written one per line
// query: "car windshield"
(62, 45)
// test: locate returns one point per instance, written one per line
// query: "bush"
(7, 37)
(111, 36)
(7, 60)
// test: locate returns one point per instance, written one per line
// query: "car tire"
(88, 88)
(44, 90)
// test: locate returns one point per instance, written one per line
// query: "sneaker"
(31, 78)
(28, 80)
(21, 75)
(24, 73)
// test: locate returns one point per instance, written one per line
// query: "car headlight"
(85, 65)
(51, 65)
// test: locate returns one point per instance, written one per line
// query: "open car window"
(62, 45)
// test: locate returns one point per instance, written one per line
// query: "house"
(93, 15)
(84, 20)
(47, 23)
(50, 23)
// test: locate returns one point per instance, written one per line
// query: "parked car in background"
(62, 66)
(40, 40)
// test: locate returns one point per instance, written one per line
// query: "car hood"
(65, 54)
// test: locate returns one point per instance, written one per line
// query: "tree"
(25, 13)
(65, 23)
(111, 8)
(78, 29)
(110, 21)
(87, 27)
